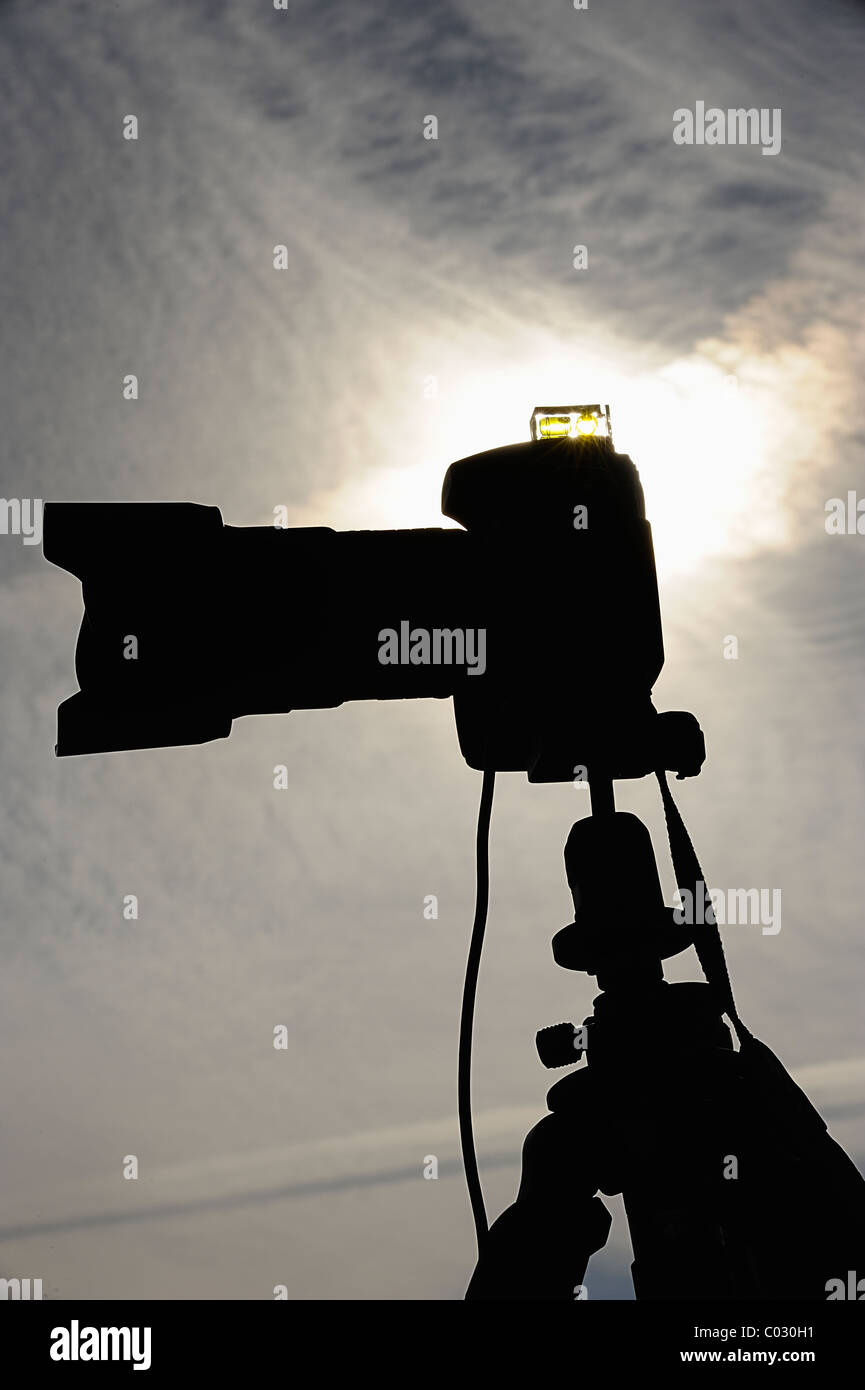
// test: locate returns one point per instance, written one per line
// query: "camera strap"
(707, 937)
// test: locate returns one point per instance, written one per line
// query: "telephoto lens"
(540, 617)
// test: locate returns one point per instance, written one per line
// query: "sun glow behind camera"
(689, 430)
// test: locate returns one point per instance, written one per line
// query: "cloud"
(409, 259)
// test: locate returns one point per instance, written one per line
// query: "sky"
(430, 301)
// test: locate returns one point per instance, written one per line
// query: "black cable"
(467, 1015)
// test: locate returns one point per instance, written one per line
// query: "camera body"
(540, 618)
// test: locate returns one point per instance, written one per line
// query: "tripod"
(732, 1187)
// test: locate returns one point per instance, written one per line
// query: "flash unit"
(572, 422)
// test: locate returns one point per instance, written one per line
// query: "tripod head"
(622, 938)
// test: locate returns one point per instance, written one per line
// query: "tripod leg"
(540, 1246)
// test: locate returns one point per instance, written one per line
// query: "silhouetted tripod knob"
(559, 1045)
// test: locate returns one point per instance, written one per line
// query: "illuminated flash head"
(572, 422)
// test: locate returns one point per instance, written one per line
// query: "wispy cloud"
(408, 259)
